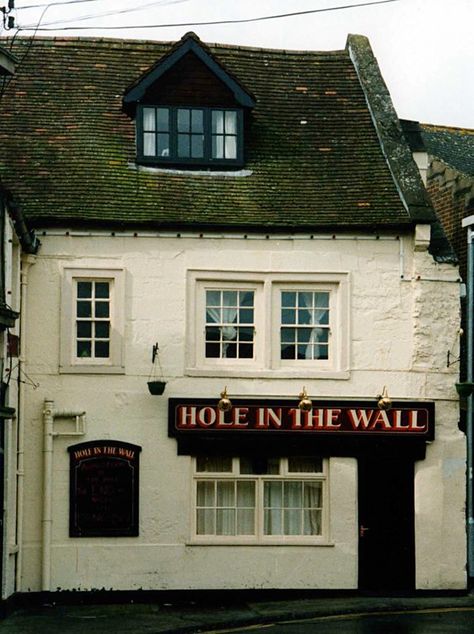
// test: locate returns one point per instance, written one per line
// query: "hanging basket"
(156, 387)
(465, 389)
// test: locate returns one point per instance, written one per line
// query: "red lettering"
(359, 418)
(186, 416)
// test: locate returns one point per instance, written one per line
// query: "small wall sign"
(104, 478)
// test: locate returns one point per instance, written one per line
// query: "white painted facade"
(399, 319)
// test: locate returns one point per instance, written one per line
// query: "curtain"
(317, 314)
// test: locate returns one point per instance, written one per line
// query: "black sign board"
(103, 499)
(340, 427)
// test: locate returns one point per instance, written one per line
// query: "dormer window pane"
(163, 119)
(197, 146)
(231, 147)
(183, 145)
(217, 122)
(197, 121)
(183, 120)
(230, 122)
(149, 144)
(149, 119)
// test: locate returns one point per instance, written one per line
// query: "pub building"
(243, 382)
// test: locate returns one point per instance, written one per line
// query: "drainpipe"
(49, 434)
(27, 261)
(469, 223)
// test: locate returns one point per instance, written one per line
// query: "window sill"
(91, 369)
(280, 373)
(239, 542)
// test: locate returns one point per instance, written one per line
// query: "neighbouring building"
(251, 221)
(445, 156)
(16, 241)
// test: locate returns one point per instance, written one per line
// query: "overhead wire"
(110, 13)
(215, 22)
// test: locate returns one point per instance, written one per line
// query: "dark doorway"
(386, 525)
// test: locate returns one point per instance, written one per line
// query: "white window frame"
(259, 538)
(69, 362)
(197, 325)
(268, 287)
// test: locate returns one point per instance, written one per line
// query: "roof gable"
(189, 44)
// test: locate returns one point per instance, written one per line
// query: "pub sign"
(340, 425)
(104, 487)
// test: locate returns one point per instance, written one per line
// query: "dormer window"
(189, 135)
(189, 110)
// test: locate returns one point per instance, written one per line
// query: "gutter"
(28, 240)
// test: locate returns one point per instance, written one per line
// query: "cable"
(53, 4)
(215, 22)
(108, 13)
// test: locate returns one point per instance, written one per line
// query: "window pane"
(245, 522)
(225, 522)
(246, 316)
(213, 351)
(102, 289)
(246, 494)
(260, 466)
(205, 522)
(231, 147)
(305, 299)
(102, 329)
(163, 119)
(225, 494)
(229, 298)
(293, 496)
(84, 289)
(102, 309)
(163, 140)
(84, 349)
(273, 522)
(217, 122)
(305, 464)
(217, 147)
(84, 329)
(230, 122)
(312, 522)
(205, 494)
(197, 121)
(273, 494)
(183, 120)
(246, 298)
(197, 146)
(288, 316)
(101, 349)
(288, 299)
(84, 309)
(212, 334)
(313, 492)
(216, 464)
(321, 317)
(213, 298)
(183, 146)
(149, 119)
(149, 144)
(292, 522)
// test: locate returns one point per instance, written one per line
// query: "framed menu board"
(104, 489)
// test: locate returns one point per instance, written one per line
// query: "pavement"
(207, 615)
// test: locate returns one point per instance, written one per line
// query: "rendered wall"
(404, 317)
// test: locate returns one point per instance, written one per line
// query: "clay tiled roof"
(453, 146)
(314, 158)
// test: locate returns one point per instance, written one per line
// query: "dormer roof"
(189, 43)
